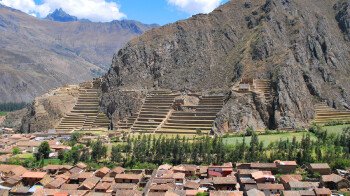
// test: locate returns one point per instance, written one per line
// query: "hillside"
(302, 47)
(39, 54)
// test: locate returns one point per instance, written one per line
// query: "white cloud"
(195, 6)
(94, 10)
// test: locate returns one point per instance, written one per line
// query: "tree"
(43, 151)
(116, 155)
(98, 150)
(74, 138)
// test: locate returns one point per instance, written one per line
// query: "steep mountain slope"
(301, 46)
(37, 55)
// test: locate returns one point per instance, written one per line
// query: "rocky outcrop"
(47, 110)
(298, 45)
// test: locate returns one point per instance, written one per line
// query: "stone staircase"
(263, 88)
(85, 114)
(127, 123)
(192, 122)
(326, 114)
(154, 111)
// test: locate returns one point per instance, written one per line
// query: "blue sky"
(146, 11)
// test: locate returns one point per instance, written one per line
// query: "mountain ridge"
(38, 54)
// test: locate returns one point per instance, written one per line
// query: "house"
(246, 173)
(12, 170)
(264, 167)
(30, 178)
(57, 169)
(161, 188)
(224, 170)
(56, 183)
(335, 182)
(128, 178)
(321, 168)
(70, 186)
(20, 190)
(225, 183)
(124, 186)
(189, 185)
(291, 193)
(297, 186)
(285, 179)
(263, 176)
(102, 172)
(255, 192)
(85, 175)
(127, 193)
(226, 193)
(116, 170)
(12, 181)
(89, 183)
(322, 192)
(243, 166)
(103, 186)
(188, 170)
(270, 189)
(179, 178)
(286, 167)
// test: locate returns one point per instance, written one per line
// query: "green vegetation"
(16, 151)
(3, 113)
(43, 151)
(269, 138)
(10, 106)
(336, 129)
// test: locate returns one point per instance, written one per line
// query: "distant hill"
(40, 54)
(61, 16)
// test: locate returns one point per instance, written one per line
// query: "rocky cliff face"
(301, 46)
(37, 55)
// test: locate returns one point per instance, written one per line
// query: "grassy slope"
(267, 139)
(337, 129)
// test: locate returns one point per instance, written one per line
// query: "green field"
(3, 113)
(267, 139)
(337, 129)
(25, 156)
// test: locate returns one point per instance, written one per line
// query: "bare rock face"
(301, 46)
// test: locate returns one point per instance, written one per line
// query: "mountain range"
(40, 54)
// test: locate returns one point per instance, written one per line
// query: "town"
(250, 179)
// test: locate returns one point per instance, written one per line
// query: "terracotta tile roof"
(55, 192)
(270, 186)
(15, 169)
(124, 186)
(57, 167)
(291, 178)
(70, 186)
(323, 191)
(30, 174)
(81, 165)
(46, 180)
(263, 165)
(118, 170)
(28, 144)
(179, 176)
(129, 176)
(319, 166)
(255, 192)
(303, 184)
(104, 170)
(224, 180)
(85, 175)
(75, 170)
(226, 193)
(246, 171)
(103, 185)
(191, 185)
(107, 179)
(163, 180)
(332, 178)
(306, 193)
(57, 183)
(262, 174)
(128, 193)
(291, 193)
(161, 187)
(89, 183)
